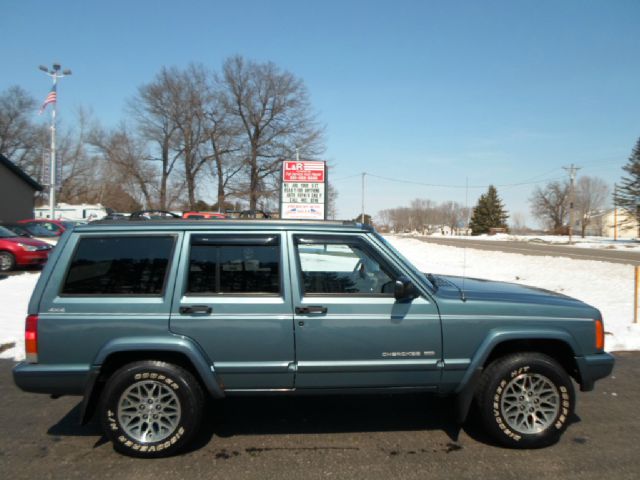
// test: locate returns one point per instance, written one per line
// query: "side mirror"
(404, 289)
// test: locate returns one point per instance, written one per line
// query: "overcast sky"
(432, 92)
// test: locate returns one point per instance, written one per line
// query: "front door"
(350, 330)
(234, 301)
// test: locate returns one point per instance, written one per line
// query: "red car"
(54, 226)
(21, 251)
(203, 215)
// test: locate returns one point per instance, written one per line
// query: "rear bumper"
(51, 379)
(594, 367)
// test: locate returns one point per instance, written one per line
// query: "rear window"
(123, 265)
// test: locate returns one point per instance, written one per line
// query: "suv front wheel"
(151, 408)
(525, 400)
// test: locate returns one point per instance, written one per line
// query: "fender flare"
(467, 388)
(170, 343)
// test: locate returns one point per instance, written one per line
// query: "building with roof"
(17, 192)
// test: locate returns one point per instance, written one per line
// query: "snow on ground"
(556, 240)
(15, 292)
(607, 286)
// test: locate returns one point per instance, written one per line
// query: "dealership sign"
(303, 190)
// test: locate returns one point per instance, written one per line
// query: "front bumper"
(594, 367)
(33, 258)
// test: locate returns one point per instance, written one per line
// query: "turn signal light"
(599, 335)
(31, 338)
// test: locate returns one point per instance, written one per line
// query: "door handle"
(311, 309)
(201, 309)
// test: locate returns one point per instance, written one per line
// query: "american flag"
(51, 98)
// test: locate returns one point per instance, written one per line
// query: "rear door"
(233, 298)
(350, 330)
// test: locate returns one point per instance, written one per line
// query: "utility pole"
(572, 178)
(362, 207)
(615, 213)
(55, 74)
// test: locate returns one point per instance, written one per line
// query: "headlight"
(28, 248)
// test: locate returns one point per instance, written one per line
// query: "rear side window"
(244, 265)
(123, 265)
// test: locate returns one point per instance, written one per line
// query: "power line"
(412, 182)
(334, 180)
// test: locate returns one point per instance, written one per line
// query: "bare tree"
(275, 113)
(21, 140)
(224, 132)
(454, 215)
(79, 182)
(126, 161)
(153, 110)
(591, 196)
(332, 198)
(549, 204)
(518, 223)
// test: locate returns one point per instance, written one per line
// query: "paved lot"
(386, 437)
(602, 254)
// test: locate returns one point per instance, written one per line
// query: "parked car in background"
(203, 215)
(248, 214)
(32, 231)
(21, 251)
(153, 214)
(115, 216)
(54, 226)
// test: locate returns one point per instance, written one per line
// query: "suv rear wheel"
(151, 408)
(525, 400)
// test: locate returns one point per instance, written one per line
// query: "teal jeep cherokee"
(147, 319)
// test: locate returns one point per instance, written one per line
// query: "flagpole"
(52, 172)
(54, 73)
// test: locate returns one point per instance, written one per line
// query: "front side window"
(119, 265)
(240, 266)
(341, 268)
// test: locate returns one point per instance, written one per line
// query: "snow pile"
(556, 240)
(606, 286)
(14, 298)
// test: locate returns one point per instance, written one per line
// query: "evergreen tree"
(627, 194)
(488, 213)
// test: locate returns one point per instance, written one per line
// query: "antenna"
(464, 258)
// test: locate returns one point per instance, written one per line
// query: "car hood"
(489, 290)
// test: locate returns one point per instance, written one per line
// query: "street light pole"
(54, 73)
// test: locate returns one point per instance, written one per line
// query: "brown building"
(17, 192)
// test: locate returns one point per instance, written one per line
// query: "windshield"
(6, 233)
(400, 256)
(39, 231)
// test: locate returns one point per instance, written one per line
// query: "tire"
(525, 400)
(151, 409)
(7, 261)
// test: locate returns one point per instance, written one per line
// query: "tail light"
(599, 335)
(31, 338)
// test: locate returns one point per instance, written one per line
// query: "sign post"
(303, 193)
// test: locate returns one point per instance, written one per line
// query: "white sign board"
(303, 190)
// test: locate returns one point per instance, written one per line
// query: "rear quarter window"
(119, 265)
